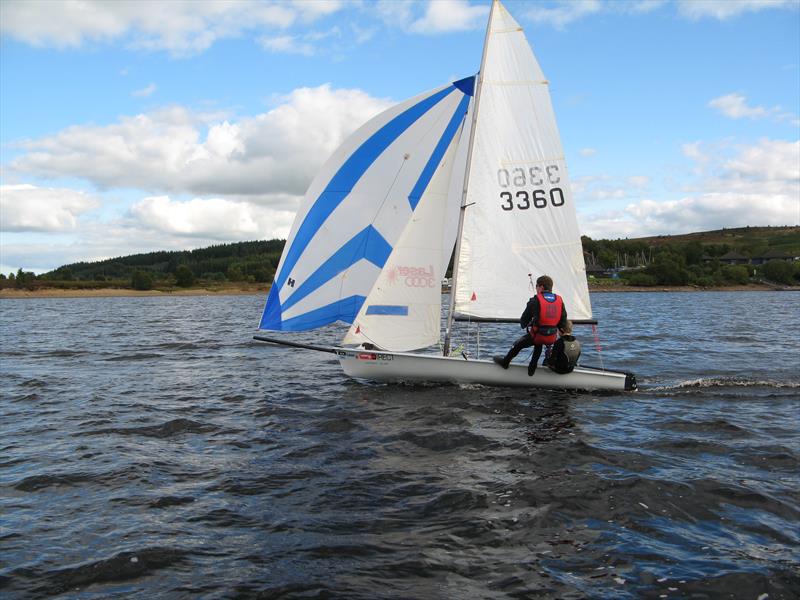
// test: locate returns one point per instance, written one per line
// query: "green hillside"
(661, 260)
(750, 241)
(242, 261)
(704, 259)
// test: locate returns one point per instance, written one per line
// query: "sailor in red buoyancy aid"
(543, 316)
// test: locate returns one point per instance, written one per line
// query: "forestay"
(520, 217)
(357, 209)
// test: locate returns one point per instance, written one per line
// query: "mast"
(453, 286)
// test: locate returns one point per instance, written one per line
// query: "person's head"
(546, 282)
(567, 328)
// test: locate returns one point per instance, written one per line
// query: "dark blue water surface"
(149, 448)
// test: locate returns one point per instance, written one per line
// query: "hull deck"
(405, 367)
(408, 367)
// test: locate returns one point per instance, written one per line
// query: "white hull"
(407, 367)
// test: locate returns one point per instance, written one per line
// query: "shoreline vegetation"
(741, 259)
(116, 292)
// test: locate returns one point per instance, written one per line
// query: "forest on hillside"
(705, 259)
(252, 262)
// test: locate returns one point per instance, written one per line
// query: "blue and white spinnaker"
(358, 207)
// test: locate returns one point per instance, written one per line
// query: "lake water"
(149, 448)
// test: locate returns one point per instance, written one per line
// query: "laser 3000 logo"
(412, 276)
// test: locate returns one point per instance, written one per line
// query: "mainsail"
(358, 208)
(519, 213)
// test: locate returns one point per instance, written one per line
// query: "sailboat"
(476, 164)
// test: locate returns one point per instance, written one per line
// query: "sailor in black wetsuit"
(543, 314)
(566, 351)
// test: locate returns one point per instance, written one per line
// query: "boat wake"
(725, 382)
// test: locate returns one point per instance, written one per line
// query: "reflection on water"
(148, 446)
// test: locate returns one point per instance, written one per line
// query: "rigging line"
(598, 346)
(469, 335)
(377, 346)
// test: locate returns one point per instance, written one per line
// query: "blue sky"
(134, 126)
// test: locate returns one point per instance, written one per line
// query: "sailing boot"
(532, 368)
(503, 361)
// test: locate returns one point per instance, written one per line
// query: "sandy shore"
(119, 292)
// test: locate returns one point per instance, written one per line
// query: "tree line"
(692, 259)
(699, 259)
(253, 262)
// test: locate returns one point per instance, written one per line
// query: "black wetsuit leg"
(537, 352)
(526, 341)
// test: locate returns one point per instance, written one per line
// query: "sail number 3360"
(534, 176)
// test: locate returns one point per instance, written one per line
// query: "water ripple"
(166, 454)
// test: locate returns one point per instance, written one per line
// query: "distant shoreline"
(12, 293)
(752, 287)
(123, 292)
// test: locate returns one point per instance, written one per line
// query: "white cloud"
(728, 9)
(63, 23)
(286, 44)
(153, 223)
(770, 161)
(145, 91)
(638, 181)
(606, 187)
(735, 106)
(587, 151)
(40, 256)
(305, 44)
(275, 152)
(759, 185)
(694, 151)
(439, 16)
(29, 208)
(443, 16)
(311, 10)
(248, 176)
(211, 218)
(180, 27)
(561, 13)
(646, 6)
(395, 13)
(362, 34)
(564, 13)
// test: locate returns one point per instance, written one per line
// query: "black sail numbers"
(532, 187)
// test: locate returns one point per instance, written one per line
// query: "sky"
(134, 126)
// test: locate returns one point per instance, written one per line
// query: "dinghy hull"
(407, 367)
